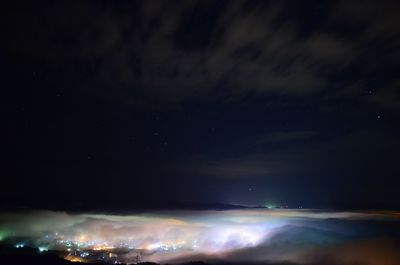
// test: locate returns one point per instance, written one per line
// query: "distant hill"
(78, 208)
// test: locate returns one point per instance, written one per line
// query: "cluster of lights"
(79, 250)
(82, 248)
(166, 246)
(74, 258)
(102, 247)
(155, 237)
(98, 245)
(81, 244)
(159, 237)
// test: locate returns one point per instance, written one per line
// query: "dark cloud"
(221, 51)
(287, 136)
(242, 167)
(388, 97)
(340, 164)
(295, 100)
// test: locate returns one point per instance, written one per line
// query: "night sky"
(168, 104)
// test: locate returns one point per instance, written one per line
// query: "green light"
(3, 234)
(43, 249)
(270, 206)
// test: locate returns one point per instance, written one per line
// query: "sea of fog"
(253, 235)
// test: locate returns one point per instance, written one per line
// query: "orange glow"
(74, 259)
(102, 247)
(82, 238)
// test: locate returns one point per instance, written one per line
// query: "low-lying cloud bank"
(258, 236)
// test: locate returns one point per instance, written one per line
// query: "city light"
(166, 236)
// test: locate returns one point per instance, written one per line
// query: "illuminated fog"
(176, 236)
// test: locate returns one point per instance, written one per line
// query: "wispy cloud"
(169, 52)
(287, 136)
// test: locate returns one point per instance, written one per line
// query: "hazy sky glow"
(175, 236)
